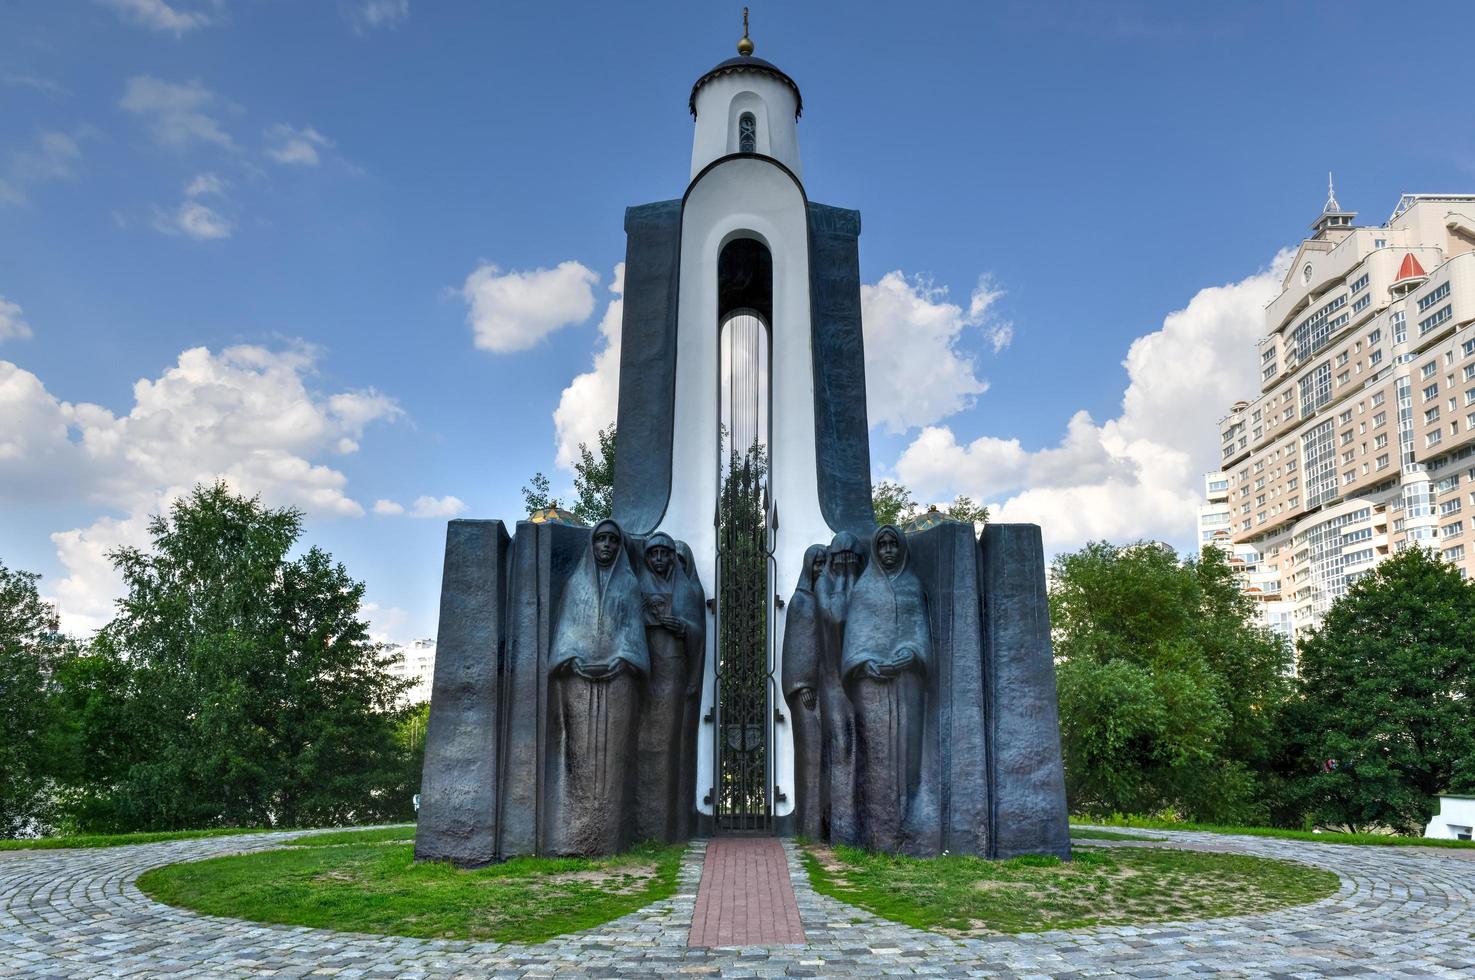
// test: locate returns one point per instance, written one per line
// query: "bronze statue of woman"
(887, 656)
(598, 663)
(800, 675)
(671, 628)
(846, 562)
(691, 603)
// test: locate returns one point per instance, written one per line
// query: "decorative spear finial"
(1331, 195)
(745, 46)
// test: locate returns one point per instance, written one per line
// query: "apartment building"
(1258, 580)
(1361, 441)
(415, 663)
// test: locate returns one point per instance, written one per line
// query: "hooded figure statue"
(887, 657)
(674, 634)
(597, 665)
(845, 562)
(800, 676)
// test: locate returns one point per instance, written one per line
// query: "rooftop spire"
(745, 46)
(1331, 196)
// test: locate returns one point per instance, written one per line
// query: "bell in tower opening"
(651, 678)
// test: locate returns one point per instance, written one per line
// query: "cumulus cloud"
(916, 372)
(245, 415)
(176, 114)
(50, 155)
(1139, 474)
(293, 146)
(591, 400)
(194, 218)
(513, 311)
(424, 506)
(368, 15)
(158, 15)
(12, 326)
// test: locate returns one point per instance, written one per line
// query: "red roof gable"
(1410, 269)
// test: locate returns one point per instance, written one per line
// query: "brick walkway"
(1401, 912)
(745, 898)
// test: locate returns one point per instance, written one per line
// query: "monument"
(649, 678)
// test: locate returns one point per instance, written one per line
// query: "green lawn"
(375, 835)
(961, 895)
(1086, 833)
(378, 888)
(119, 840)
(1325, 837)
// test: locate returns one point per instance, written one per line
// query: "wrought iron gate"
(745, 525)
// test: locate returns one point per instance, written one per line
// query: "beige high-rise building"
(1362, 440)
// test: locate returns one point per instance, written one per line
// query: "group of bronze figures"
(625, 676)
(857, 655)
(625, 679)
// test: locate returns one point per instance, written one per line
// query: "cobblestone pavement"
(1400, 912)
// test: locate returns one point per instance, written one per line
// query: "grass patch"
(1323, 837)
(1086, 833)
(378, 888)
(121, 840)
(376, 835)
(969, 896)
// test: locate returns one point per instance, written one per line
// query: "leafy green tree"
(1387, 716)
(30, 647)
(1168, 691)
(535, 494)
(965, 510)
(594, 478)
(250, 691)
(892, 502)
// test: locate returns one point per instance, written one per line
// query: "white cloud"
(446, 506)
(51, 155)
(388, 508)
(37, 83)
(515, 310)
(157, 15)
(915, 372)
(296, 146)
(1140, 474)
(244, 415)
(12, 327)
(591, 400)
(367, 15)
(194, 218)
(176, 114)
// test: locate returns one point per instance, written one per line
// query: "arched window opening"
(747, 133)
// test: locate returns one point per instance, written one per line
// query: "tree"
(30, 647)
(535, 497)
(594, 479)
(892, 502)
(250, 693)
(1168, 691)
(1387, 715)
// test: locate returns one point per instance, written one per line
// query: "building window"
(1432, 415)
(1457, 553)
(1400, 327)
(1434, 320)
(1427, 371)
(1360, 284)
(1362, 303)
(747, 133)
(1453, 530)
(1383, 462)
(1434, 297)
(1432, 391)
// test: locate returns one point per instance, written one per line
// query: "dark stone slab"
(1028, 791)
(841, 433)
(457, 820)
(648, 365)
(946, 559)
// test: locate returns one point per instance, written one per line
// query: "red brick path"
(745, 898)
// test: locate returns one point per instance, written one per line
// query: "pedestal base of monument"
(517, 745)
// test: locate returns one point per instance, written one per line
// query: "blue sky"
(327, 203)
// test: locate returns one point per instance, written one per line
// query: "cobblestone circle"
(1400, 912)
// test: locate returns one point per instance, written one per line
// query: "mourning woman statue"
(692, 603)
(597, 666)
(672, 626)
(845, 563)
(887, 655)
(801, 690)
